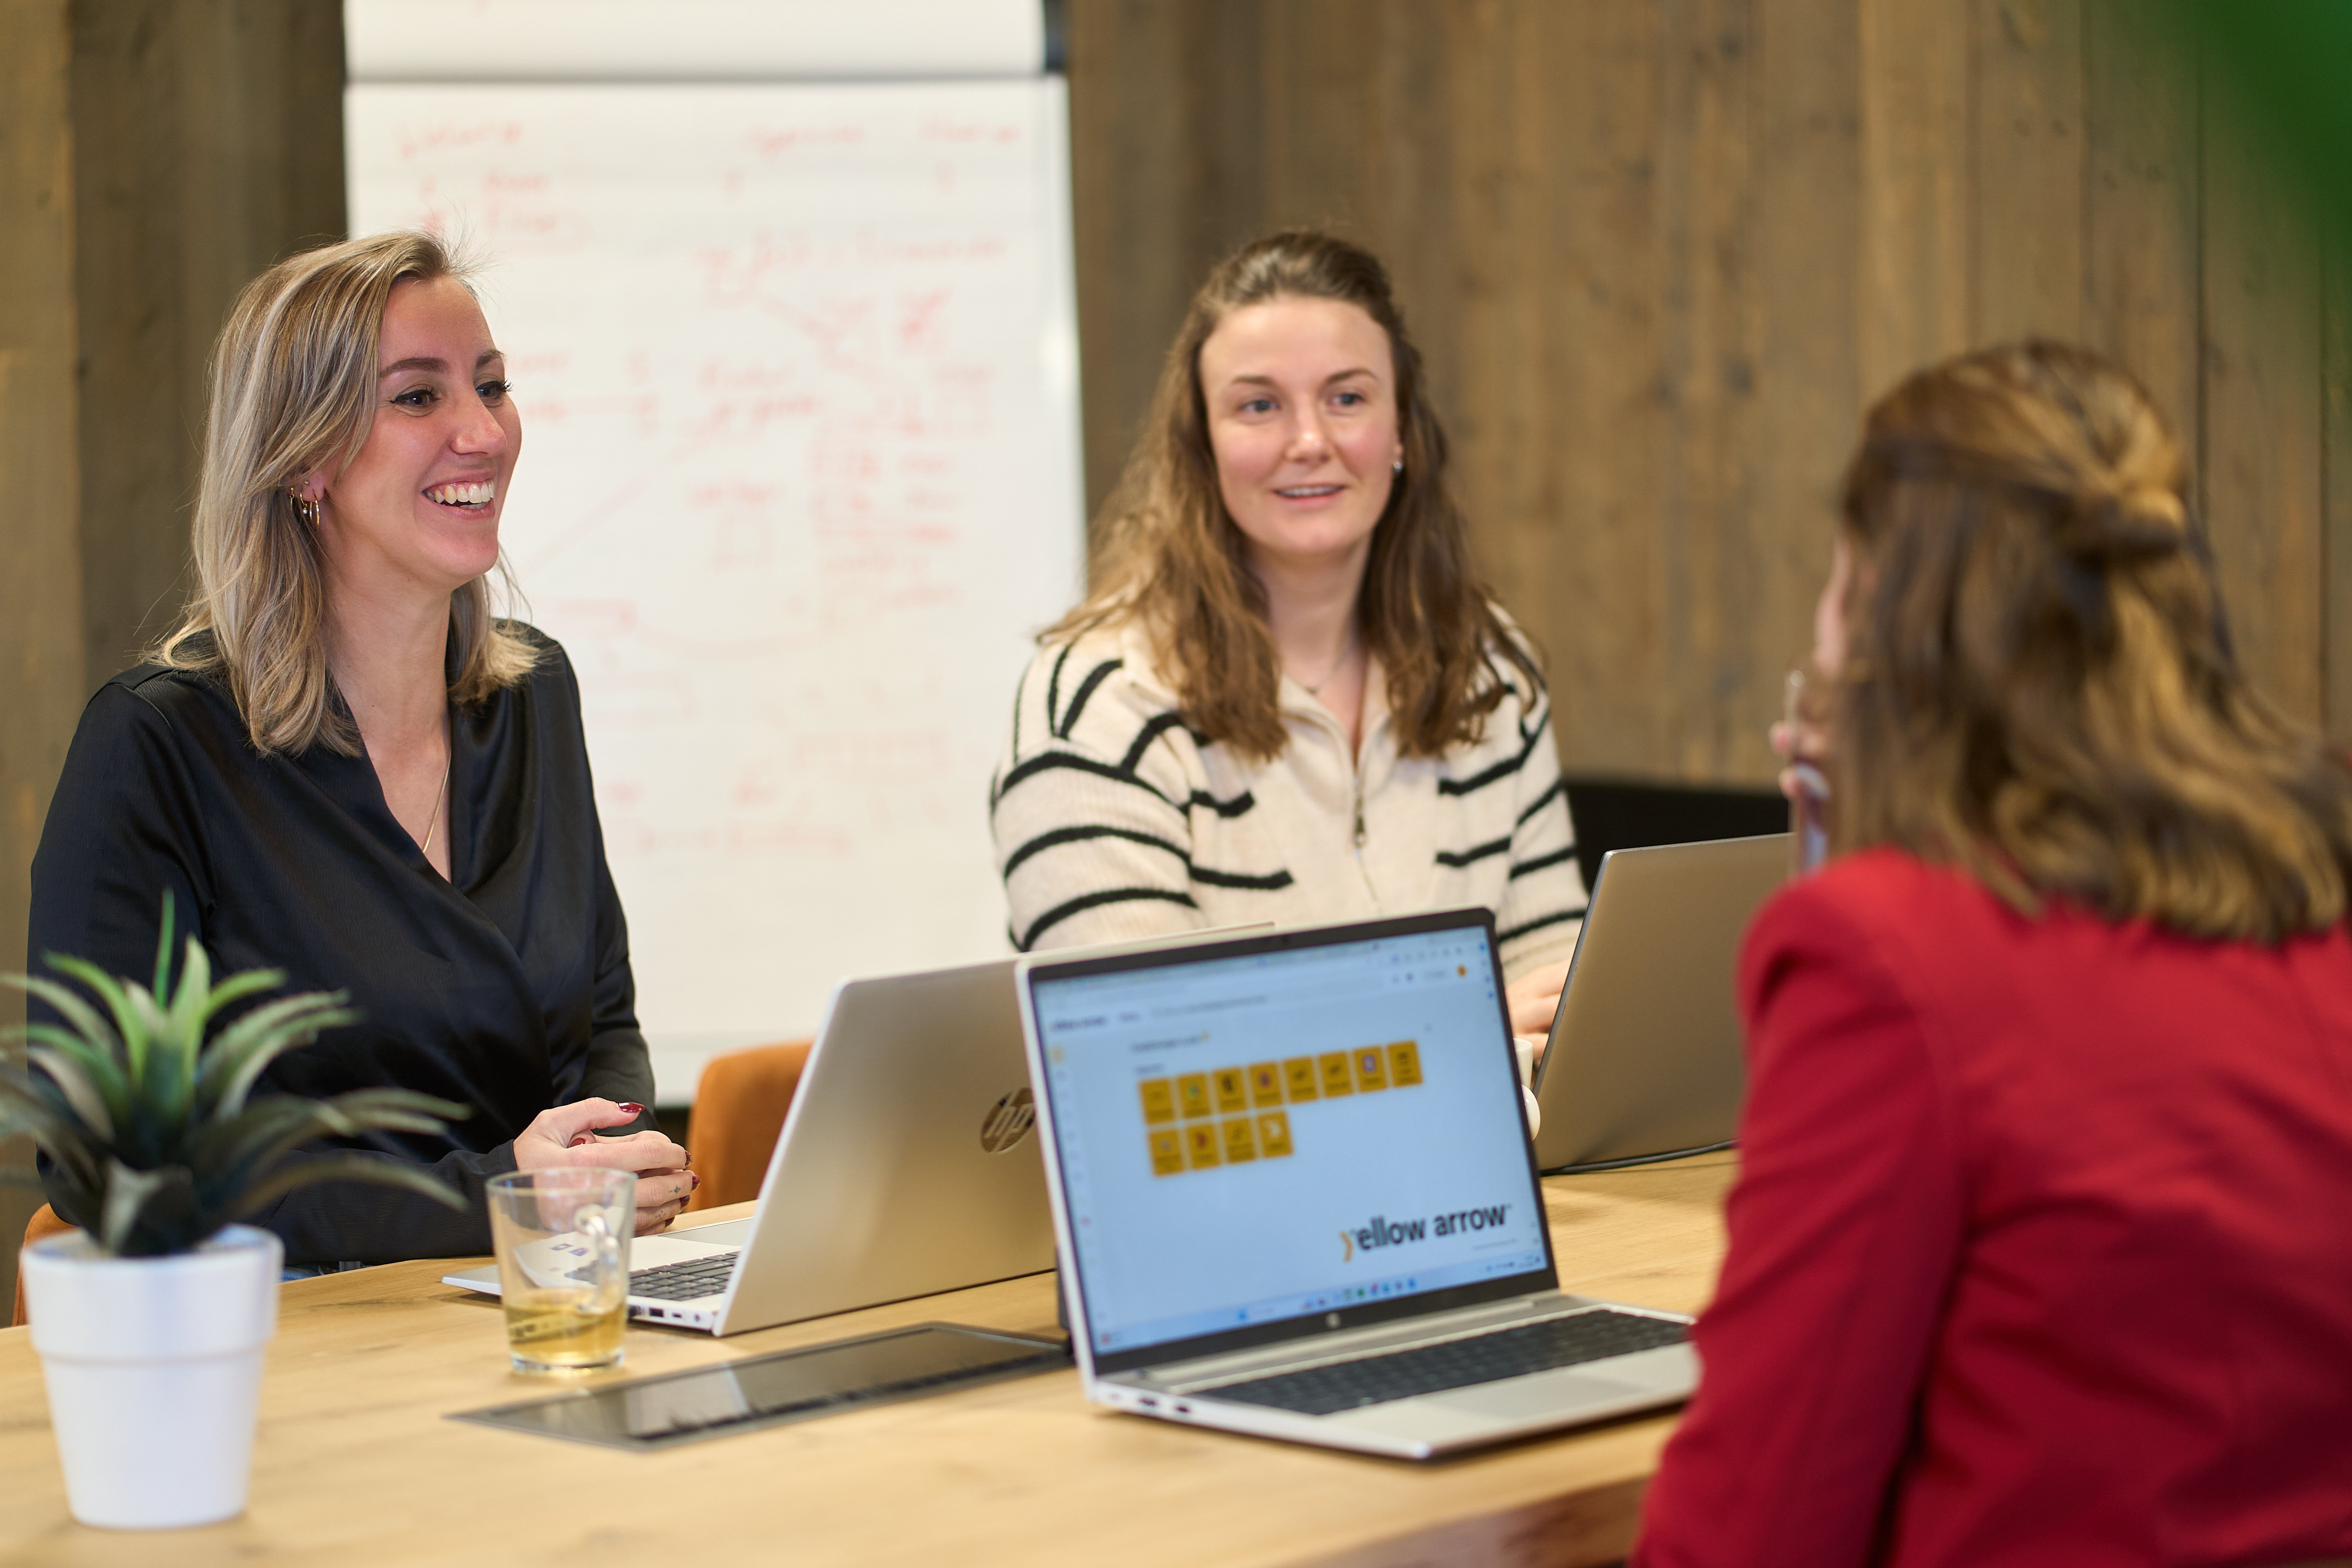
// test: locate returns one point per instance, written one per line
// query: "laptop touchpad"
(726, 1233)
(1544, 1394)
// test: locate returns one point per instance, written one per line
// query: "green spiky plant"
(158, 1140)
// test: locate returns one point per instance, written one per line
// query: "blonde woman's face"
(1302, 408)
(420, 503)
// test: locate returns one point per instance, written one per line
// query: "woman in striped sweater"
(1289, 697)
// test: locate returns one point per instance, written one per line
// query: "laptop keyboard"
(1455, 1363)
(684, 1281)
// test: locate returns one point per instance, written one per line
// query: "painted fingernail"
(633, 1108)
(697, 1180)
(583, 1138)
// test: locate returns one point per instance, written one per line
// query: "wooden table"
(356, 1465)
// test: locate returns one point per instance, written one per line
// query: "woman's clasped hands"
(566, 1135)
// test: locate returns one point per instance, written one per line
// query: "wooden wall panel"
(1806, 267)
(210, 143)
(2260, 431)
(1915, 160)
(1706, 410)
(154, 155)
(2336, 498)
(1479, 315)
(1660, 256)
(2027, 171)
(1597, 595)
(40, 560)
(2143, 213)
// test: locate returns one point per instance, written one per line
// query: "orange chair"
(45, 1222)
(739, 1114)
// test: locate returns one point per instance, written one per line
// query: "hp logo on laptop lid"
(1009, 1120)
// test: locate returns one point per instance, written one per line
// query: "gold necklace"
(434, 821)
(1347, 650)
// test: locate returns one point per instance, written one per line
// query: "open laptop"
(1295, 1197)
(1645, 1060)
(905, 1167)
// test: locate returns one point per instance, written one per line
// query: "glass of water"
(563, 1241)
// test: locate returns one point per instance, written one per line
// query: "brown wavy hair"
(1169, 555)
(293, 389)
(2040, 684)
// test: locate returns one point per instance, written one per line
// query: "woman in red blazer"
(2042, 1248)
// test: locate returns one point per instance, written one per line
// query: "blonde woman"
(342, 766)
(1289, 696)
(2038, 1253)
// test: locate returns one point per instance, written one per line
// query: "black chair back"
(1633, 813)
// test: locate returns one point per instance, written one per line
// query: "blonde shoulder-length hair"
(294, 390)
(1169, 557)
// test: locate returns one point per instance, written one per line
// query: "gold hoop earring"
(306, 510)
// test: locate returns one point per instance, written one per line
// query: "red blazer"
(2042, 1248)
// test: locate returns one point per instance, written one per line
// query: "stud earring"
(1397, 466)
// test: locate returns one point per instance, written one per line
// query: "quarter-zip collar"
(1372, 762)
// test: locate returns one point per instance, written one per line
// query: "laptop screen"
(1306, 1127)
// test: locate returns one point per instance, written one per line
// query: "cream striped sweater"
(1114, 821)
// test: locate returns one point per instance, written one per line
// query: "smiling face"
(419, 505)
(1302, 408)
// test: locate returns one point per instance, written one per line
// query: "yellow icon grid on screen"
(1273, 1134)
(1404, 1063)
(1241, 1140)
(1298, 1078)
(1236, 1115)
(1336, 1079)
(1192, 1094)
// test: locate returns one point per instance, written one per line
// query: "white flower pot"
(153, 1366)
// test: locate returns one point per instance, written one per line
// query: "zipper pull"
(1360, 822)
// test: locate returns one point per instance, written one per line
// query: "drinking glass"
(562, 1239)
(1802, 780)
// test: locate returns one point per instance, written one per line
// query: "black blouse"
(505, 987)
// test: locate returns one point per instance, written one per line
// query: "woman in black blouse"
(342, 766)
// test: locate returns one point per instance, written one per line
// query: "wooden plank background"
(1659, 257)
(208, 142)
(155, 156)
(40, 564)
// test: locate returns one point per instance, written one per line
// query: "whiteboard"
(691, 41)
(797, 371)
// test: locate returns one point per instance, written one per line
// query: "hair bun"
(2133, 522)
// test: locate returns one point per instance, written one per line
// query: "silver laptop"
(905, 1167)
(1644, 1062)
(1295, 1196)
